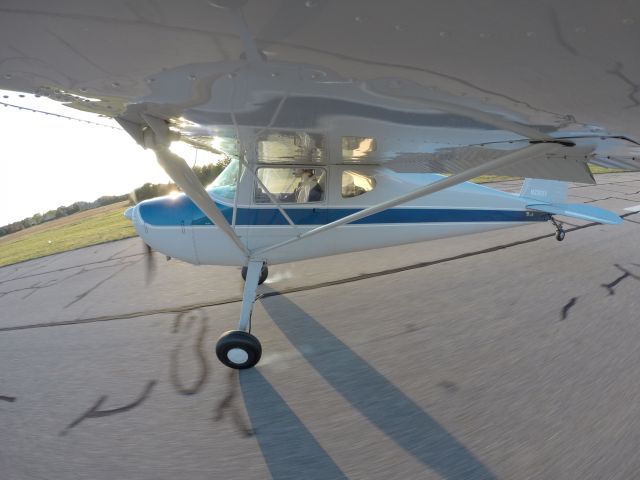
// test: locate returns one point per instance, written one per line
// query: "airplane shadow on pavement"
(289, 448)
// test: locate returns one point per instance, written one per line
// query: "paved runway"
(501, 355)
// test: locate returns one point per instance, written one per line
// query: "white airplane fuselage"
(176, 227)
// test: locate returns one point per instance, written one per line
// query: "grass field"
(82, 229)
(102, 225)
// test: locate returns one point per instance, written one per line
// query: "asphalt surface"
(500, 355)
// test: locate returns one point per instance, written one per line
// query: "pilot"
(309, 188)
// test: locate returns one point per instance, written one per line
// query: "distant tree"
(152, 190)
(109, 199)
(61, 212)
(207, 173)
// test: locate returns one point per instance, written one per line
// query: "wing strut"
(509, 159)
(158, 138)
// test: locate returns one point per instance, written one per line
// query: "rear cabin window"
(356, 183)
(290, 147)
(357, 149)
(290, 185)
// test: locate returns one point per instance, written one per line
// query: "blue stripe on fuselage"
(181, 211)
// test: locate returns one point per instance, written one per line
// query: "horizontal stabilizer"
(578, 210)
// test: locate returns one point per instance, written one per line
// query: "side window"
(356, 183)
(291, 185)
(290, 147)
(355, 149)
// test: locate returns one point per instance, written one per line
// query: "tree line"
(205, 173)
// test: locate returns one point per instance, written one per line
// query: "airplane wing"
(440, 85)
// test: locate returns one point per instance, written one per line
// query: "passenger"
(309, 188)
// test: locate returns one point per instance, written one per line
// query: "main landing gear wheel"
(238, 349)
(264, 273)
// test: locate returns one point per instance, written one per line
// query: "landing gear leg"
(238, 348)
(560, 232)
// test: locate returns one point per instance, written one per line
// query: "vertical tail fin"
(548, 191)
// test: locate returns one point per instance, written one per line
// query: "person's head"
(304, 172)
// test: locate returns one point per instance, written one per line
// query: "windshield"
(225, 184)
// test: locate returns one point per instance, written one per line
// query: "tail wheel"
(238, 349)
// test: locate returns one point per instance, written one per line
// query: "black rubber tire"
(243, 341)
(264, 273)
(560, 235)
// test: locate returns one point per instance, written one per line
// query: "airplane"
(347, 125)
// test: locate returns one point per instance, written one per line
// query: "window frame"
(262, 166)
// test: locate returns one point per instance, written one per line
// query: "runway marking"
(634, 208)
(286, 291)
(93, 412)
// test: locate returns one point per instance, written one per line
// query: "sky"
(46, 162)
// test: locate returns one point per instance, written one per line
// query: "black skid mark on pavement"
(94, 411)
(626, 274)
(5, 398)
(190, 318)
(565, 310)
(449, 386)
(229, 404)
(617, 71)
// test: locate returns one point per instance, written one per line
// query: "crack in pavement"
(626, 274)
(72, 267)
(592, 200)
(286, 291)
(598, 185)
(611, 190)
(87, 292)
(55, 281)
(94, 411)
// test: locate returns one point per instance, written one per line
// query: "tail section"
(550, 196)
(578, 210)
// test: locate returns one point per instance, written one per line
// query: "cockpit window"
(357, 149)
(356, 183)
(290, 147)
(291, 185)
(225, 184)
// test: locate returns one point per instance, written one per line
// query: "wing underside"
(444, 93)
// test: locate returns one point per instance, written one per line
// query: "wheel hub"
(237, 356)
